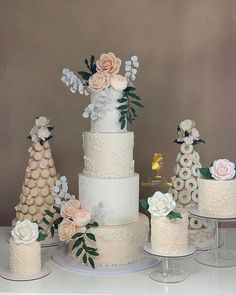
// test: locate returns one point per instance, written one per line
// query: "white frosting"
(120, 244)
(216, 197)
(25, 259)
(170, 236)
(110, 121)
(115, 201)
(108, 155)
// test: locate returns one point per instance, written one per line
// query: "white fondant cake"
(116, 200)
(119, 245)
(110, 121)
(169, 236)
(25, 259)
(108, 155)
(217, 197)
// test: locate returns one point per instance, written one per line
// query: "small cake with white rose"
(169, 227)
(217, 189)
(25, 249)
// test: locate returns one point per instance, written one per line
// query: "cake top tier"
(113, 97)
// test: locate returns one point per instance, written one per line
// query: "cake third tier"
(113, 201)
(108, 155)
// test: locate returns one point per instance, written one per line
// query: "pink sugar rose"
(69, 208)
(222, 169)
(109, 63)
(81, 217)
(119, 82)
(66, 230)
(99, 81)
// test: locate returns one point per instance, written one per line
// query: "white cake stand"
(167, 274)
(215, 257)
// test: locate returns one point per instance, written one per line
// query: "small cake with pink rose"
(169, 226)
(217, 189)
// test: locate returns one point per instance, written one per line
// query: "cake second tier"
(113, 201)
(108, 155)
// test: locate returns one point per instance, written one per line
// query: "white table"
(202, 280)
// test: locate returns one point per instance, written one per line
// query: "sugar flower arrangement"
(103, 77)
(161, 205)
(26, 232)
(41, 130)
(221, 169)
(187, 133)
(72, 222)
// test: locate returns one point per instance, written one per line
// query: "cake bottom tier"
(25, 260)
(170, 236)
(118, 244)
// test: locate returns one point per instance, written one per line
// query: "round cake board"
(64, 260)
(6, 274)
(48, 242)
(195, 212)
(190, 251)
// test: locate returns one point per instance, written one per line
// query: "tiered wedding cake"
(108, 185)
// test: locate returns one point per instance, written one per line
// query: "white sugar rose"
(99, 81)
(119, 82)
(66, 230)
(42, 122)
(108, 63)
(25, 232)
(43, 133)
(187, 125)
(81, 217)
(161, 204)
(189, 139)
(222, 169)
(68, 209)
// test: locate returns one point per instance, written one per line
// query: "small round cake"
(25, 259)
(169, 236)
(25, 250)
(217, 197)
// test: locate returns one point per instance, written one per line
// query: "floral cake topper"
(26, 232)
(103, 77)
(160, 205)
(221, 169)
(41, 130)
(187, 133)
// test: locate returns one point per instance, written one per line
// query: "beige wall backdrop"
(187, 50)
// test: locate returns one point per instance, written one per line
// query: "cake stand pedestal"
(169, 272)
(216, 257)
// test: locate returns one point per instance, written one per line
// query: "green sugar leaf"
(85, 258)
(41, 237)
(57, 209)
(121, 100)
(52, 230)
(91, 262)
(144, 203)
(94, 224)
(78, 253)
(134, 96)
(91, 236)
(77, 243)
(205, 173)
(85, 75)
(128, 89)
(174, 215)
(123, 124)
(77, 235)
(122, 107)
(49, 213)
(46, 221)
(58, 220)
(137, 103)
